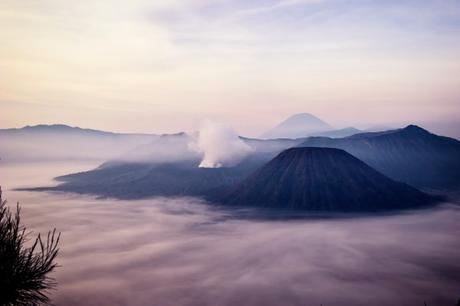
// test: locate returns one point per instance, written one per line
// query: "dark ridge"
(411, 155)
(323, 179)
(136, 180)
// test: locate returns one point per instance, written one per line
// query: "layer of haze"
(215, 144)
(163, 66)
(182, 252)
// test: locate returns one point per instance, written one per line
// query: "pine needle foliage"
(24, 271)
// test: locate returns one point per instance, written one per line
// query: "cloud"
(184, 252)
(103, 63)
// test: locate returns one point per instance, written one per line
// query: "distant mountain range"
(322, 179)
(310, 173)
(411, 155)
(305, 125)
(62, 142)
(62, 128)
(53, 142)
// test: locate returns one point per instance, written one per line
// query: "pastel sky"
(164, 66)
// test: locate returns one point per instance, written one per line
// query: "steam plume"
(220, 145)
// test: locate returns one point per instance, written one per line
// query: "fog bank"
(182, 252)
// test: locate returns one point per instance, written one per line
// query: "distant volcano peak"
(298, 125)
(302, 116)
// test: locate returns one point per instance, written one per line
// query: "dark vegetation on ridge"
(323, 179)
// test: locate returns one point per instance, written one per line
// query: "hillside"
(135, 180)
(412, 155)
(323, 179)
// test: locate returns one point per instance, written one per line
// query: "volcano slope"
(323, 179)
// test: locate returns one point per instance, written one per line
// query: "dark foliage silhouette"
(24, 271)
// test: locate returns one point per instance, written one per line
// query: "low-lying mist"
(53, 146)
(214, 145)
(184, 252)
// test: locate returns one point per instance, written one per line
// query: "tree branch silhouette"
(25, 271)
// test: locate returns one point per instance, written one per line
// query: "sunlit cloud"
(147, 63)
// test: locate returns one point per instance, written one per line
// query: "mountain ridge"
(59, 127)
(412, 155)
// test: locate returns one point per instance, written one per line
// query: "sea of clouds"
(185, 252)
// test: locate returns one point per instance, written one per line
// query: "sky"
(165, 66)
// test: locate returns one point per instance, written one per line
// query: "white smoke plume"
(220, 145)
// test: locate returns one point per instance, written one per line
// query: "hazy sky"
(164, 66)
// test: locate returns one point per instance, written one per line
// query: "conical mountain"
(297, 126)
(323, 179)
